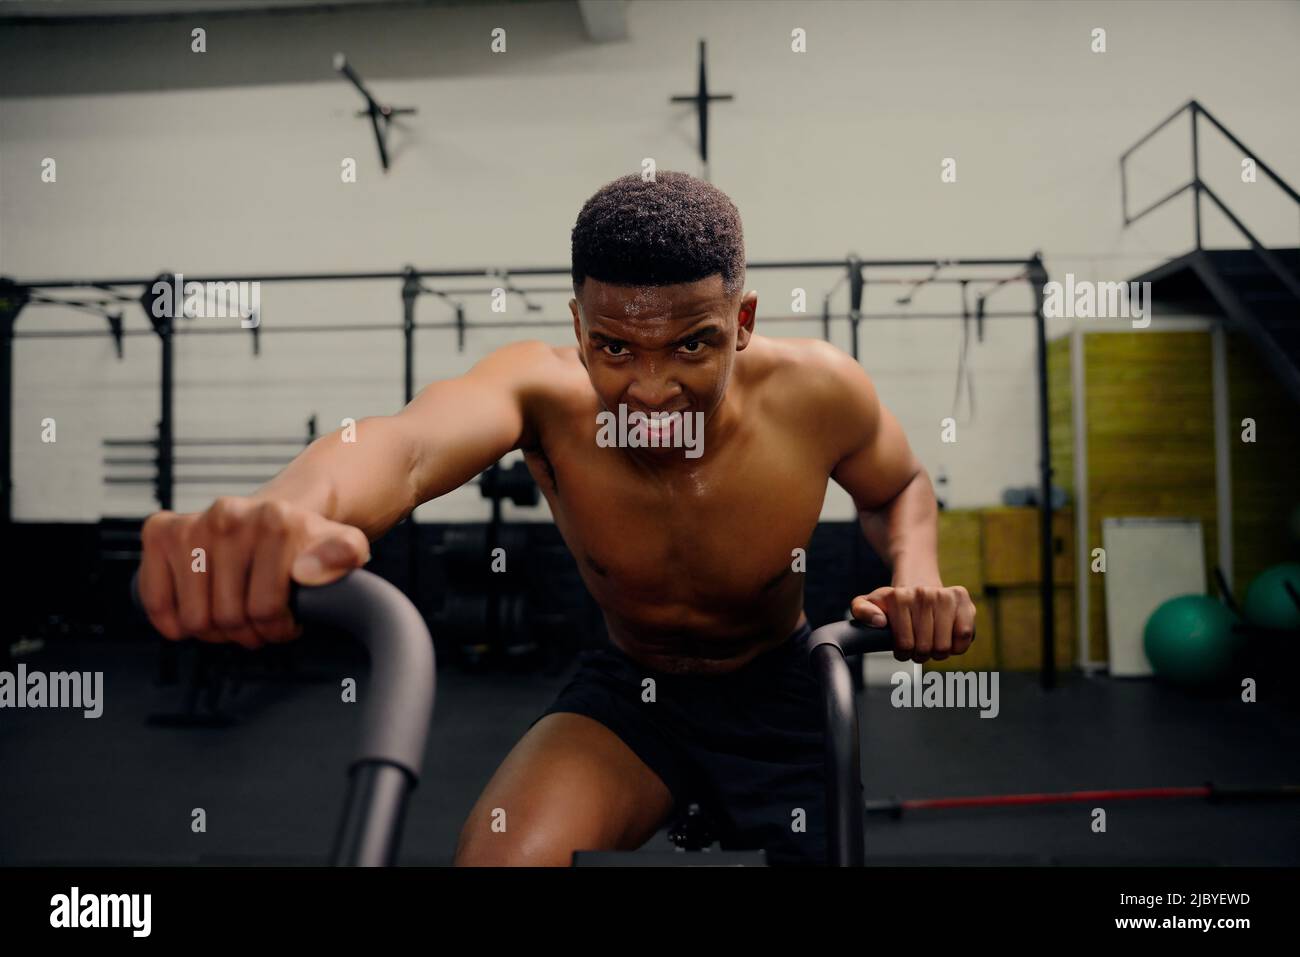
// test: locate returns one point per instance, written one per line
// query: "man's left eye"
(694, 342)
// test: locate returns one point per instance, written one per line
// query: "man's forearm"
(365, 482)
(905, 532)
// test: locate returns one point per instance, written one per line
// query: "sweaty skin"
(691, 559)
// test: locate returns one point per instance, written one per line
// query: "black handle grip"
(828, 646)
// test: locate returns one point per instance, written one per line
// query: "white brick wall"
(834, 151)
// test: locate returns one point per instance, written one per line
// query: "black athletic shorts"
(747, 746)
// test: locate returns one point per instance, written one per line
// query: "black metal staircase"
(1256, 288)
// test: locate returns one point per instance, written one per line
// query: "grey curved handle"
(852, 637)
(398, 702)
(397, 705)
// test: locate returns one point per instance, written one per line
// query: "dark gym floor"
(118, 791)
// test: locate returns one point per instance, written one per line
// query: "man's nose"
(653, 391)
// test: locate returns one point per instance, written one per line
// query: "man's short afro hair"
(675, 229)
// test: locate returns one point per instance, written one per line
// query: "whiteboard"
(1148, 561)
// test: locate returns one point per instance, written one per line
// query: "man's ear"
(746, 314)
(577, 330)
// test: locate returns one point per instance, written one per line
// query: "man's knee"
(569, 785)
(490, 843)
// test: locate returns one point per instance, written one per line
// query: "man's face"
(661, 349)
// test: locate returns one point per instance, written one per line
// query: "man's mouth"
(660, 427)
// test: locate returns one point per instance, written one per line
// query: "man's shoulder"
(810, 367)
(548, 377)
(534, 353)
(818, 390)
(537, 367)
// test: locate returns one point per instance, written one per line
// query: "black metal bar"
(1292, 593)
(881, 263)
(1169, 119)
(217, 331)
(160, 315)
(828, 648)
(1047, 590)
(856, 288)
(1225, 591)
(371, 828)
(262, 328)
(96, 308)
(380, 139)
(115, 330)
(522, 290)
(489, 272)
(486, 273)
(342, 65)
(701, 98)
(1259, 163)
(1196, 179)
(1158, 203)
(943, 280)
(12, 300)
(845, 845)
(410, 293)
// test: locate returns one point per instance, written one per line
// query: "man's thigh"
(569, 784)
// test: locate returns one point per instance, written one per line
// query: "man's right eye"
(613, 345)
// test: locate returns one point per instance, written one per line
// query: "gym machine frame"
(14, 295)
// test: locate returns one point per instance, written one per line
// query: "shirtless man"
(702, 695)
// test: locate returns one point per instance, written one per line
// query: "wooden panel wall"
(1265, 488)
(1150, 441)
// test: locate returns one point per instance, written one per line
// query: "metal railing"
(1201, 189)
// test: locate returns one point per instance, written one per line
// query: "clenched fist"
(928, 622)
(223, 574)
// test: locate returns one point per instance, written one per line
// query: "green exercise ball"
(1267, 603)
(1189, 640)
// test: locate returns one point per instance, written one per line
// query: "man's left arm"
(899, 516)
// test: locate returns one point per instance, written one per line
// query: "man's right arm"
(313, 522)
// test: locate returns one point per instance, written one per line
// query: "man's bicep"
(459, 427)
(878, 462)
